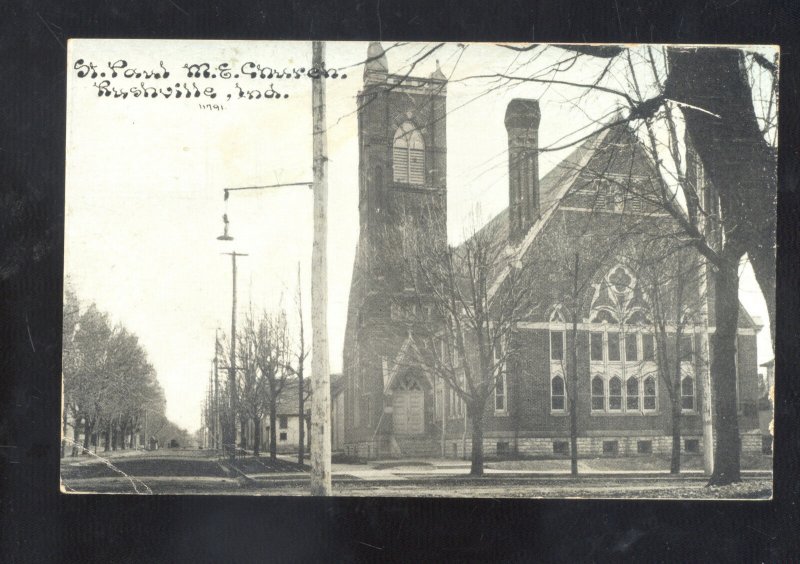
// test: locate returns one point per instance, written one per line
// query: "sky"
(145, 180)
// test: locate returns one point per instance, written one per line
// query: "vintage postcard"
(419, 269)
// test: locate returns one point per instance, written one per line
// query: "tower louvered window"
(408, 155)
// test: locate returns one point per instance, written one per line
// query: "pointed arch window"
(632, 394)
(408, 155)
(558, 395)
(598, 394)
(649, 396)
(615, 394)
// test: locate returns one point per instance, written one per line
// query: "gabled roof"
(552, 188)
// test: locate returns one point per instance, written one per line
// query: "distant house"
(393, 408)
(288, 420)
(287, 423)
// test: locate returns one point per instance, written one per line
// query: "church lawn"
(623, 464)
(654, 488)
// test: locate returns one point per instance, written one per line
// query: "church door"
(408, 407)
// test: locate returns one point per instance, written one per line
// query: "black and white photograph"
(419, 269)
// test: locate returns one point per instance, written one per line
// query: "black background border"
(37, 524)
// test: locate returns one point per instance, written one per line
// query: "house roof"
(289, 403)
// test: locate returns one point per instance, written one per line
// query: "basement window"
(644, 447)
(691, 445)
(610, 447)
(561, 447)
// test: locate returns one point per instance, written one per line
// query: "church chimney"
(522, 125)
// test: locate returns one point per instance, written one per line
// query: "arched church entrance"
(408, 406)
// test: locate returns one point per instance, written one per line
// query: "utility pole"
(216, 393)
(320, 368)
(227, 237)
(231, 439)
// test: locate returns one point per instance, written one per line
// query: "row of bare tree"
(270, 361)
(111, 391)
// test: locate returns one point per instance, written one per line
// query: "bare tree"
(297, 367)
(669, 275)
(271, 350)
(460, 321)
(252, 381)
(573, 254)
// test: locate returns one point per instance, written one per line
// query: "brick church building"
(392, 409)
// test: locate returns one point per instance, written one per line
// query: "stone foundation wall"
(593, 446)
(367, 449)
(587, 446)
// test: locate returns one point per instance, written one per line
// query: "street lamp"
(232, 368)
(225, 236)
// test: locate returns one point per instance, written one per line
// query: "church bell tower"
(402, 199)
(402, 159)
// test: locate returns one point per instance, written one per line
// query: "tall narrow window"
(615, 394)
(613, 346)
(408, 155)
(556, 345)
(597, 346)
(598, 394)
(648, 352)
(632, 393)
(650, 393)
(557, 394)
(500, 393)
(631, 347)
(686, 347)
(687, 393)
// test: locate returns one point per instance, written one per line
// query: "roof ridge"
(519, 251)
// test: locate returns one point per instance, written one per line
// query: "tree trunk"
(301, 419)
(76, 434)
(273, 435)
(476, 416)
(572, 403)
(88, 431)
(723, 377)
(256, 436)
(737, 159)
(675, 460)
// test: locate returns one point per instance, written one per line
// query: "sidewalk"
(415, 469)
